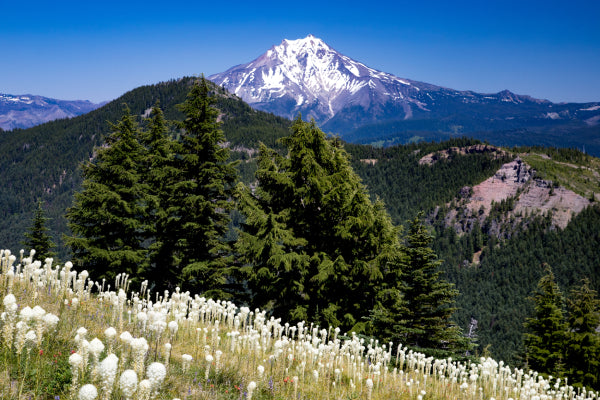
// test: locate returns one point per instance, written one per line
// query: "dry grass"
(230, 347)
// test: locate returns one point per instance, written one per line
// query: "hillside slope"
(42, 162)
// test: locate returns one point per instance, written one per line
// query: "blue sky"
(99, 50)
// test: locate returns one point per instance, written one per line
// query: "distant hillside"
(25, 111)
(42, 162)
(498, 216)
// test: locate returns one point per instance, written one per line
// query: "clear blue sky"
(99, 50)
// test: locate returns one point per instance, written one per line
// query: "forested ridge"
(42, 163)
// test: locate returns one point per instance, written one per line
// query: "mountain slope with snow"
(363, 104)
(25, 111)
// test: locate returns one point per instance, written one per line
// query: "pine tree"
(313, 245)
(545, 337)
(583, 341)
(159, 172)
(37, 238)
(201, 197)
(428, 299)
(108, 215)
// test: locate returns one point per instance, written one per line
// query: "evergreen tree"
(37, 238)
(545, 337)
(583, 341)
(200, 197)
(158, 172)
(313, 245)
(428, 300)
(108, 215)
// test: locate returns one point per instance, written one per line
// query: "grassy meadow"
(65, 336)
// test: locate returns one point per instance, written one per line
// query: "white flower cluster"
(223, 333)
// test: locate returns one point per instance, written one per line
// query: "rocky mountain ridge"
(25, 111)
(511, 196)
(364, 105)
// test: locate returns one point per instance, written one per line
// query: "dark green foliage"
(42, 163)
(108, 215)
(582, 350)
(313, 245)
(37, 238)
(200, 195)
(495, 292)
(428, 300)
(158, 172)
(546, 330)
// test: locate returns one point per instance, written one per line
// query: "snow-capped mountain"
(24, 111)
(308, 76)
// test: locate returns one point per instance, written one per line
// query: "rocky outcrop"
(431, 158)
(514, 192)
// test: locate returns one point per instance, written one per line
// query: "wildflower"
(20, 336)
(369, 388)
(128, 383)
(50, 320)
(261, 371)
(209, 360)
(108, 372)
(186, 359)
(167, 353)
(88, 392)
(156, 373)
(144, 389)
(251, 387)
(173, 327)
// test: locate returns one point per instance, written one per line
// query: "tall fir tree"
(108, 216)
(159, 171)
(37, 238)
(201, 195)
(425, 312)
(313, 245)
(546, 330)
(582, 349)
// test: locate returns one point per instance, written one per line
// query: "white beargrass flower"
(261, 371)
(156, 373)
(110, 334)
(251, 387)
(125, 337)
(26, 314)
(139, 347)
(186, 360)
(144, 389)
(20, 336)
(96, 347)
(369, 388)
(9, 299)
(167, 353)
(128, 383)
(209, 360)
(30, 338)
(88, 392)
(50, 320)
(173, 327)
(108, 373)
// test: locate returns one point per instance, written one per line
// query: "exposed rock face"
(515, 182)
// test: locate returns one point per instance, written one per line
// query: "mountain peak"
(308, 76)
